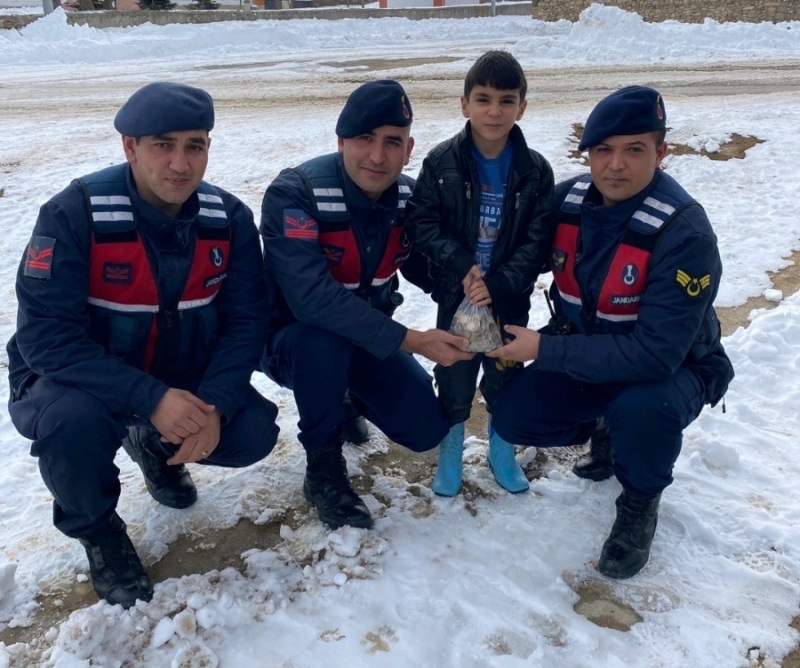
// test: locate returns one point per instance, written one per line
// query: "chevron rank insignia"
(693, 286)
(38, 259)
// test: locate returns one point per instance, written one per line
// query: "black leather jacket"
(443, 216)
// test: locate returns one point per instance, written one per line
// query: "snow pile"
(603, 35)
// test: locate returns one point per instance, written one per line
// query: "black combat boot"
(169, 485)
(627, 548)
(117, 574)
(355, 429)
(598, 463)
(328, 489)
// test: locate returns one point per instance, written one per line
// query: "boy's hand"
(478, 294)
(474, 274)
(475, 287)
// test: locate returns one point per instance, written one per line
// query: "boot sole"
(178, 506)
(597, 476)
(623, 575)
(510, 491)
(337, 525)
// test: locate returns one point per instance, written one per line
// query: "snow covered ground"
(488, 581)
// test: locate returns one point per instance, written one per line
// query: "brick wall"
(686, 11)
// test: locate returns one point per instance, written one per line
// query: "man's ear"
(129, 146)
(340, 144)
(409, 148)
(661, 153)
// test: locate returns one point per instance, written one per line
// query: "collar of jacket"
(522, 157)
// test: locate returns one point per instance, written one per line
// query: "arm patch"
(39, 257)
(297, 224)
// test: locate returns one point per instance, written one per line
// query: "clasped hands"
(186, 420)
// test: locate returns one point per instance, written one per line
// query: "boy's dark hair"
(498, 69)
(660, 136)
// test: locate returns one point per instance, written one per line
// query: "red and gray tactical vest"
(626, 278)
(128, 314)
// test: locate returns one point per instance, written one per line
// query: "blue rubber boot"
(504, 464)
(448, 473)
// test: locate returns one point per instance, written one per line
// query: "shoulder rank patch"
(693, 286)
(39, 257)
(297, 224)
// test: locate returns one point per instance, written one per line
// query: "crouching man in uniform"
(141, 317)
(334, 241)
(634, 339)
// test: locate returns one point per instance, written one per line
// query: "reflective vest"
(128, 314)
(625, 281)
(336, 236)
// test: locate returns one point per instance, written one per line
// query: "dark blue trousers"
(76, 438)
(395, 394)
(646, 420)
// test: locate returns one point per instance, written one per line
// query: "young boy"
(479, 211)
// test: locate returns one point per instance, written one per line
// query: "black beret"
(163, 107)
(372, 105)
(633, 110)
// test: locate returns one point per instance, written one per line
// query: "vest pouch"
(382, 297)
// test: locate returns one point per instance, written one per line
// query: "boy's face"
(622, 166)
(492, 113)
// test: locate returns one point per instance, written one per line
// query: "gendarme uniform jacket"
(124, 301)
(637, 282)
(444, 216)
(331, 255)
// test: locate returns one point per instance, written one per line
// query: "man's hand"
(180, 414)
(437, 345)
(201, 444)
(523, 348)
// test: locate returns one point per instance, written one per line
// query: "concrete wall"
(686, 11)
(115, 19)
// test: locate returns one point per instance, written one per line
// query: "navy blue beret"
(633, 110)
(163, 107)
(374, 104)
